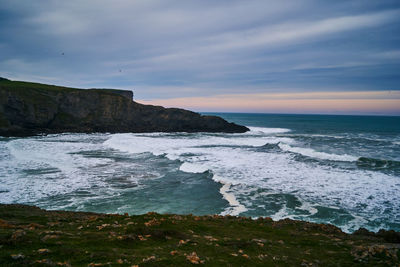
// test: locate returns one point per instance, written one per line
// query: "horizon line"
(310, 114)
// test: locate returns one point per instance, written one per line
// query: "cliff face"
(31, 108)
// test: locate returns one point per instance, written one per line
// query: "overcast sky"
(178, 52)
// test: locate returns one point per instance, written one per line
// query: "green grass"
(30, 89)
(18, 85)
(87, 239)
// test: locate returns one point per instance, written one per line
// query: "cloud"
(299, 31)
(159, 49)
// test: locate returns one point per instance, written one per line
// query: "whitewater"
(328, 176)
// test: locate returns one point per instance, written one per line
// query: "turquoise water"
(343, 170)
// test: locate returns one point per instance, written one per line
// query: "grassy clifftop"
(31, 236)
(30, 88)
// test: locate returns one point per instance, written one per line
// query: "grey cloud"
(200, 48)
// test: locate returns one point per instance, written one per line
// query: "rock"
(363, 231)
(151, 258)
(193, 258)
(364, 253)
(32, 108)
(389, 236)
(17, 256)
(63, 264)
(152, 222)
(210, 238)
(33, 226)
(43, 250)
(100, 227)
(5, 224)
(92, 218)
(262, 256)
(259, 240)
(18, 235)
(141, 238)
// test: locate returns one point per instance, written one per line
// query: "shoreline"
(32, 236)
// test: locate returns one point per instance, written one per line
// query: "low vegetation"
(32, 236)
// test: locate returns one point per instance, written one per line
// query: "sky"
(300, 56)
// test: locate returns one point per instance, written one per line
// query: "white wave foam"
(308, 207)
(345, 136)
(234, 159)
(309, 152)
(235, 207)
(25, 173)
(356, 223)
(241, 164)
(264, 130)
(282, 213)
(192, 168)
(174, 147)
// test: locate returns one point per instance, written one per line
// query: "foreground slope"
(32, 108)
(31, 236)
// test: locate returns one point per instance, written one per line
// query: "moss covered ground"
(31, 236)
(37, 92)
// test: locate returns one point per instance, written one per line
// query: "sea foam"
(236, 160)
(68, 166)
(235, 207)
(265, 130)
(309, 152)
(192, 168)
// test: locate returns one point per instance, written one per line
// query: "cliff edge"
(32, 108)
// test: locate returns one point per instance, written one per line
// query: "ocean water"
(343, 170)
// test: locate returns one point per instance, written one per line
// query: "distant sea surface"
(343, 170)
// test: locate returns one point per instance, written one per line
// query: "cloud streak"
(173, 49)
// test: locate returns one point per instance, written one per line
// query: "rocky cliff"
(32, 108)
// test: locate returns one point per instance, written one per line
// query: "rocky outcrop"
(32, 108)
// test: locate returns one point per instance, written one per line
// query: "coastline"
(32, 236)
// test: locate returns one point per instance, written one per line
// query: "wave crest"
(377, 163)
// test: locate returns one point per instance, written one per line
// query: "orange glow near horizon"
(366, 102)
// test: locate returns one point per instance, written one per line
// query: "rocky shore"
(31, 108)
(32, 236)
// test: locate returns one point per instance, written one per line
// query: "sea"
(342, 170)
